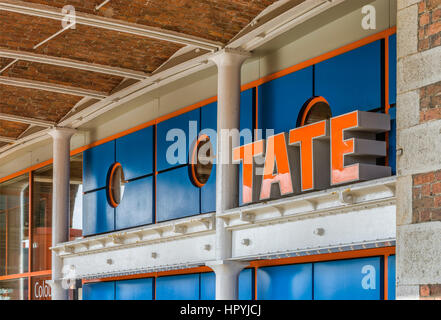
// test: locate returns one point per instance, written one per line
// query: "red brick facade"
(430, 102)
(426, 196)
(430, 292)
(429, 26)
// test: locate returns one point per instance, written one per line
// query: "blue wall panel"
(176, 196)
(208, 285)
(208, 191)
(343, 279)
(352, 80)
(393, 69)
(246, 109)
(96, 164)
(391, 276)
(98, 215)
(136, 207)
(99, 291)
(135, 153)
(180, 122)
(291, 282)
(182, 287)
(246, 122)
(139, 289)
(246, 280)
(281, 100)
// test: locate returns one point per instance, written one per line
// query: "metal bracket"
(247, 216)
(281, 210)
(345, 197)
(180, 228)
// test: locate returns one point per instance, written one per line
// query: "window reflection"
(14, 225)
(42, 211)
(41, 219)
(16, 289)
(76, 196)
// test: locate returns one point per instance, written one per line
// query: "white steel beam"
(38, 85)
(7, 139)
(70, 63)
(281, 19)
(26, 120)
(109, 24)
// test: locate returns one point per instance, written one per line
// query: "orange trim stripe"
(386, 277)
(325, 257)
(27, 274)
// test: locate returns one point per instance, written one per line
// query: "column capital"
(228, 56)
(227, 265)
(61, 132)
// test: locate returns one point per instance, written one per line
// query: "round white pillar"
(229, 63)
(227, 275)
(60, 204)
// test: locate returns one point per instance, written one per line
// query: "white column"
(227, 276)
(229, 63)
(60, 204)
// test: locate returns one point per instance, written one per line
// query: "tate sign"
(331, 152)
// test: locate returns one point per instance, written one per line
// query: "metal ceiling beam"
(70, 63)
(109, 24)
(26, 120)
(31, 84)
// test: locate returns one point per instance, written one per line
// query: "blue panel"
(176, 196)
(99, 291)
(393, 69)
(393, 140)
(208, 285)
(281, 100)
(351, 81)
(181, 122)
(182, 287)
(246, 279)
(98, 215)
(345, 280)
(291, 282)
(135, 153)
(246, 109)
(96, 164)
(391, 272)
(136, 207)
(139, 289)
(208, 191)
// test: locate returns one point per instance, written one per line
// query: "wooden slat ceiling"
(211, 20)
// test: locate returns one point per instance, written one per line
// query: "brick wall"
(426, 197)
(429, 28)
(430, 292)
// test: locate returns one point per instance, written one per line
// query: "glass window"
(41, 219)
(76, 197)
(14, 225)
(317, 110)
(16, 289)
(42, 211)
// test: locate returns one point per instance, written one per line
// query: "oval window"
(201, 161)
(316, 109)
(115, 185)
